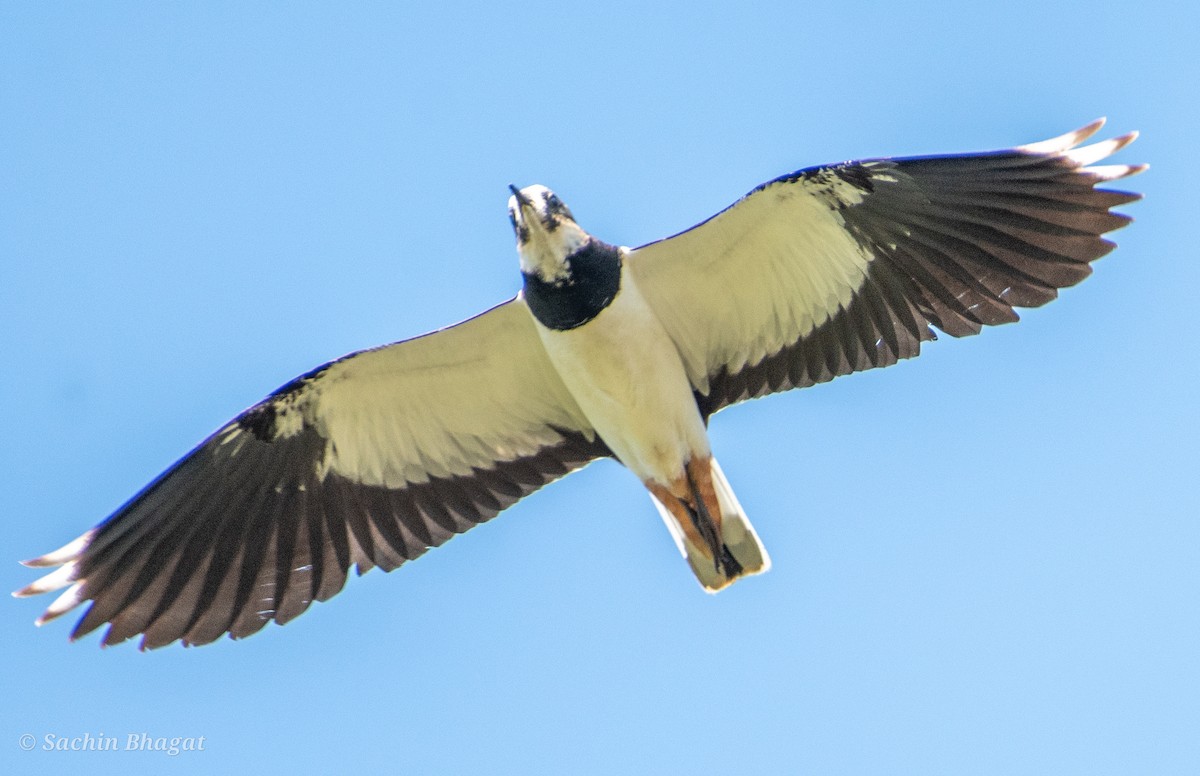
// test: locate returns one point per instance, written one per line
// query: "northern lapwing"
(607, 351)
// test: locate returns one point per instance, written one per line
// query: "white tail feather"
(737, 534)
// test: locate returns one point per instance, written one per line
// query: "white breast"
(628, 378)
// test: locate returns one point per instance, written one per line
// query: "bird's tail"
(722, 547)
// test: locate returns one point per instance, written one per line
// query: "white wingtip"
(1056, 145)
(1090, 154)
(1112, 172)
(68, 552)
(71, 597)
(60, 577)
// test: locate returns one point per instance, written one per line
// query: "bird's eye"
(554, 206)
(512, 218)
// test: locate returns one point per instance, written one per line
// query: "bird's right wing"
(368, 461)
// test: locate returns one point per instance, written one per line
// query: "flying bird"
(607, 351)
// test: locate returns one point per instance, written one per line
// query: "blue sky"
(986, 560)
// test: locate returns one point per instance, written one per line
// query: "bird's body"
(638, 399)
(372, 459)
(625, 372)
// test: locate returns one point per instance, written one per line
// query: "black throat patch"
(592, 282)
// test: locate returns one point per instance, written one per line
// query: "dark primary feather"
(957, 242)
(243, 532)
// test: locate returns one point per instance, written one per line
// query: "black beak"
(522, 200)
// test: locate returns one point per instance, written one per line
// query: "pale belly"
(628, 379)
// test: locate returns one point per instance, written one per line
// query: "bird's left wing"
(368, 461)
(836, 269)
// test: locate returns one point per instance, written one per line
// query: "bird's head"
(546, 232)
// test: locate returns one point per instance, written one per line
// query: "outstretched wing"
(368, 461)
(837, 269)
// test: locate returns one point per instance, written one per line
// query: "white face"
(546, 232)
